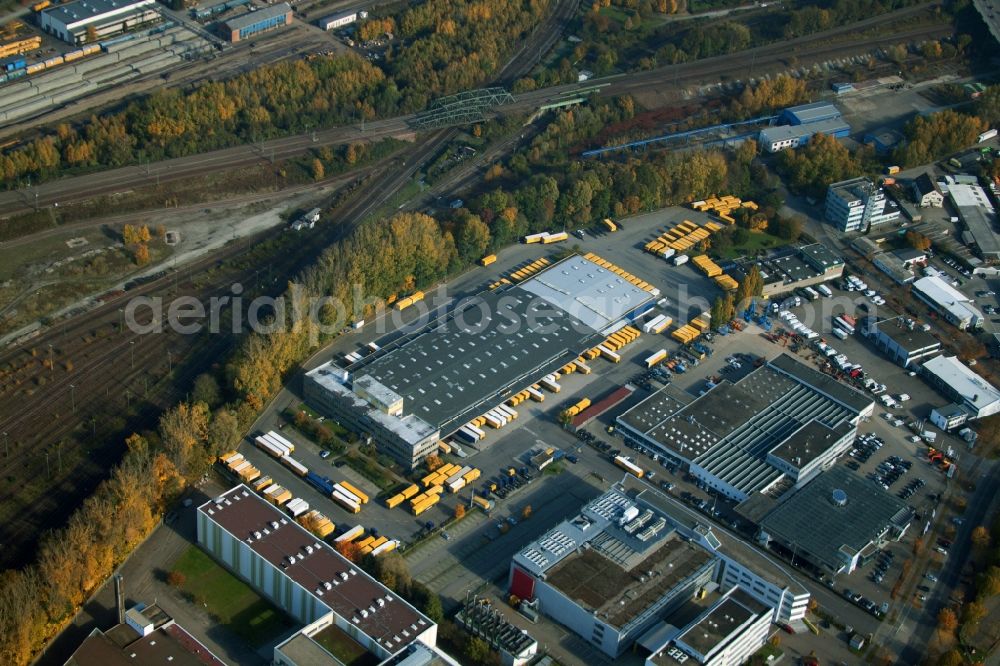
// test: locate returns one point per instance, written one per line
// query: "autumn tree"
(349, 549)
(478, 651)
(433, 462)
(459, 511)
(750, 287)
(947, 622)
(787, 228)
(472, 238)
(318, 172)
(934, 136)
(526, 511)
(141, 254)
(918, 241)
(973, 612)
(392, 571)
(980, 536)
(176, 579)
(823, 160)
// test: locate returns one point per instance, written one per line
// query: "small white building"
(339, 20)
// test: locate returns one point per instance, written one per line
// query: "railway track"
(707, 71)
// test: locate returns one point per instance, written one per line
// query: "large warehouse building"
(409, 394)
(783, 421)
(309, 580)
(633, 565)
(837, 522)
(72, 21)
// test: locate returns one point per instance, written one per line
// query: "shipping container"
(394, 501)
(268, 448)
(348, 503)
(609, 355)
(482, 503)
(609, 225)
(550, 384)
(386, 547)
(487, 260)
(357, 493)
(427, 503)
(555, 238)
(351, 534)
(656, 358)
(987, 135)
(629, 466)
(320, 483)
(680, 259)
(273, 435)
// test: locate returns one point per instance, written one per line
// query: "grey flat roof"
(811, 521)
(729, 430)
(850, 398)
(81, 10)
(912, 341)
(584, 290)
(813, 111)
(809, 442)
(714, 627)
(501, 342)
(807, 129)
(254, 17)
(821, 256)
(981, 223)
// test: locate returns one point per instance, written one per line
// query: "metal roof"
(769, 135)
(816, 526)
(253, 18)
(812, 113)
(947, 298)
(501, 342)
(84, 10)
(965, 382)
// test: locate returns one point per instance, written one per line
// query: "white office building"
(858, 204)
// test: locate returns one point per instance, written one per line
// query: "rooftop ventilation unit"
(839, 497)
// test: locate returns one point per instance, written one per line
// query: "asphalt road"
(708, 71)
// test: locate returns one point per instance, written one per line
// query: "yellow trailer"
(394, 501)
(410, 491)
(487, 260)
(360, 495)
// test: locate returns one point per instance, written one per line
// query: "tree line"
(445, 46)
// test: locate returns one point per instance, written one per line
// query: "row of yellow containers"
(685, 334)
(494, 285)
(690, 240)
(726, 283)
(404, 303)
(440, 474)
(625, 275)
(240, 466)
(20, 46)
(317, 523)
(370, 543)
(399, 498)
(706, 265)
(715, 203)
(530, 269)
(534, 392)
(576, 409)
(424, 504)
(620, 338)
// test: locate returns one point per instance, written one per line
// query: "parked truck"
(629, 466)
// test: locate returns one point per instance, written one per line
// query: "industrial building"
(72, 21)
(255, 22)
(926, 192)
(625, 568)
(957, 309)
(896, 268)
(334, 598)
(961, 384)
(410, 394)
(339, 20)
(837, 522)
(858, 204)
(801, 267)
(144, 635)
(902, 340)
(783, 422)
(797, 124)
(726, 629)
(979, 217)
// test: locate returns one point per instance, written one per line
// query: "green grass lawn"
(237, 607)
(344, 648)
(758, 240)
